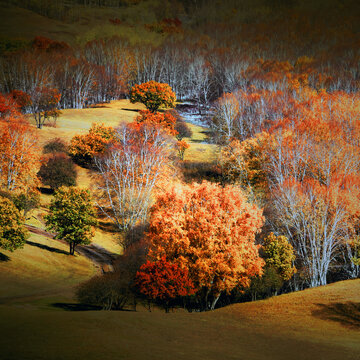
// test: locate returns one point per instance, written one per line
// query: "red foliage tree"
(162, 280)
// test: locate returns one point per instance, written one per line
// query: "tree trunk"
(215, 300)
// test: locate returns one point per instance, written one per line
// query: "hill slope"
(322, 323)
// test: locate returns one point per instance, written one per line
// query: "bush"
(56, 145)
(58, 170)
(84, 148)
(24, 202)
(112, 291)
(183, 130)
(109, 291)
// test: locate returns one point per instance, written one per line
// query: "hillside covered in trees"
(185, 156)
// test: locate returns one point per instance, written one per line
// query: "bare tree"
(129, 173)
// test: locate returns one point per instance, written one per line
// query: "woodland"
(182, 156)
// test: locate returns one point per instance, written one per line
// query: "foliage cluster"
(13, 233)
(72, 216)
(153, 95)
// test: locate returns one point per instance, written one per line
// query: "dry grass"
(84, 24)
(43, 266)
(283, 328)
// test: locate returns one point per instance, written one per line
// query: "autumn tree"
(83, 148)
(181, 147)
(129, 172)
(313, 162)
(165, 120)
(72, 216)
(163, 281)
(153, 95)
(19, 155)
(13, 233)
(279, 258)
(210, 231)
(43, 104)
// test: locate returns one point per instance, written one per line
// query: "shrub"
(58, 170)
(56, 145)
(84, 148)
(182, 129)
(109, 291)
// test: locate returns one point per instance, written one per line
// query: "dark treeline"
(197, 67)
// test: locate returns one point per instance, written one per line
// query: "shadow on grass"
(4, 258)
(347, 314)
(76, 307)
(134, 110)
(46, 191)
(82, 307)
(48, 248)
(107, 226)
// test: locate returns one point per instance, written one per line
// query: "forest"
(199, 154)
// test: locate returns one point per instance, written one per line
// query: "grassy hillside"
(320, 323)
(43, 266)
(85, 24)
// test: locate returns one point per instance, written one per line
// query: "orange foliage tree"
(83, 148)
(181, 147)
(164, 281)
(19, 153)
(166, 120)
(313, 165)
(153, 95)
(210, 231)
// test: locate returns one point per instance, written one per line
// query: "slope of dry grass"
(319, 323)
(81, 24)
(42, 267)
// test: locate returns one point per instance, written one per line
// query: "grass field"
(322, 323)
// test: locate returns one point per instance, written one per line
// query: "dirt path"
(101, 257)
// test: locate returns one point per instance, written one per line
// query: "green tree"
(72, 216)
(279, 254)
(13, 233)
